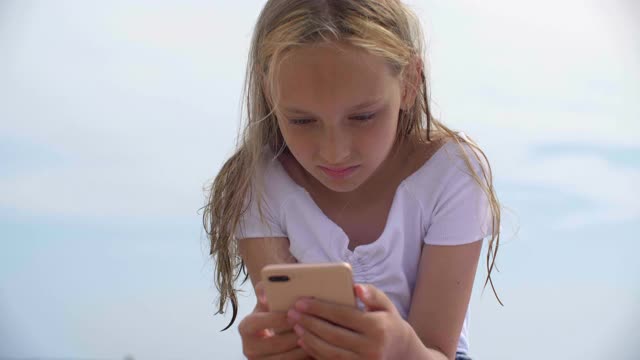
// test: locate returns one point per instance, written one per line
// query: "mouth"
(339, 172)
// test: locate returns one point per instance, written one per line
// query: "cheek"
(380, 137)
(381, 141)
(299, 142)
(286, 132)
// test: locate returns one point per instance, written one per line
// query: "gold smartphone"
(286, 283)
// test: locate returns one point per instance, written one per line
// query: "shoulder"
(273, 182)
(453, 161)
(265, 203)
(452, 190)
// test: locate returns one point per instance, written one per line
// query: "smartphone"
(286, 283)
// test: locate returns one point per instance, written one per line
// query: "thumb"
(261, 297)
(373, 298)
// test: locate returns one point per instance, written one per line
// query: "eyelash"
(300, 121)
(363, 118)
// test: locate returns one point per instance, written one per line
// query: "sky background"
(115, 115)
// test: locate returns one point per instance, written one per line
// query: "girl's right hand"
(268, 335)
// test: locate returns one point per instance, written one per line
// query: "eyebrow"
(359, 106)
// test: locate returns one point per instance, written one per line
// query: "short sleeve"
(251, 225)
(461, 214)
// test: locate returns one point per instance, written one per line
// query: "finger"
(261, 297)
(330, 333)
(296, 354)
(283, 331)
(320, 349)
(346, 316)
(257, 321)
(273, 345)
(275, 330)
(374, 299)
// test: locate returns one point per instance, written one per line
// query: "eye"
(300, 121)
(363, 117)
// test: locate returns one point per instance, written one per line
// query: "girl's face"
(338, 112)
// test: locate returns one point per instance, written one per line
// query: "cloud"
(612, 189)
(135, 102)
(99, 124)
(565, 70)
(599, 177)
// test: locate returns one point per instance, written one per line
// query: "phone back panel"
(331, 282)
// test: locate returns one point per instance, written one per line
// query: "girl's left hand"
(330, 331)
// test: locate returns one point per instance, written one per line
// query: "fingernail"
(364, 291)
(261, 296)
(293, 315)
(298, 329)
(302, 304)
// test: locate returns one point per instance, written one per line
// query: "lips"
(339, 172)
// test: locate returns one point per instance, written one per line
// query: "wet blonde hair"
(385, 28)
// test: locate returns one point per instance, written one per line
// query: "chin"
(340, 186)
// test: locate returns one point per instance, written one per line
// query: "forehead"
(332, 75)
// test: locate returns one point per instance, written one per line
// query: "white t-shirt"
(438, 204)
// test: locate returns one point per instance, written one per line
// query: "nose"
(335, 146)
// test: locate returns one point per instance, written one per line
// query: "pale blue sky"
(114, 115)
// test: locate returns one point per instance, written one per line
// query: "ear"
(411, 82)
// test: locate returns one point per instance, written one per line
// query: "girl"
(342, 160)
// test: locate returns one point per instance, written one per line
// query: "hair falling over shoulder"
(386, 28)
